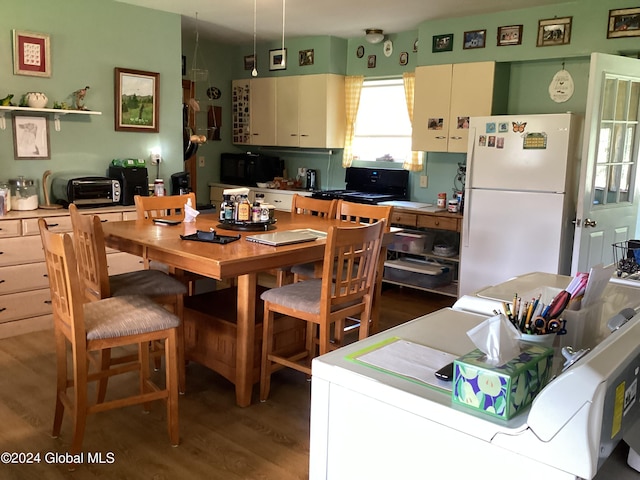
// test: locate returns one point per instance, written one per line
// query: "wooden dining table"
(241, 260)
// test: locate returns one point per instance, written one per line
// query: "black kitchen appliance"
(247, 169)
(180, 183)
(312, 179)
(370, 186)
(134, 181)
(87, 191)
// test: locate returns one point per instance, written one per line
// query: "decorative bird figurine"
(79, 96)
(6, 101)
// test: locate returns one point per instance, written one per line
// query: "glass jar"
(158, 187)
(24, 194)
(5, 191)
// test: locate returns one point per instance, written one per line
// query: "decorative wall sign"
(136, 101)
(554, 31)
(561, 87)
(30, 137)
(474, 39)
(31, 54)
(624, 22)
(509, 35)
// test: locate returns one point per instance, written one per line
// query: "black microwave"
(247, 169)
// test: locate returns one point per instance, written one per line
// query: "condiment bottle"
(158, 187)
(244, 209)
(442, 200)
(453, 206)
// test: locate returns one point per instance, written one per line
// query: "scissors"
(548, 322)
(548, 325)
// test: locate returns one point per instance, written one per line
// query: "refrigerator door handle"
(466, 218)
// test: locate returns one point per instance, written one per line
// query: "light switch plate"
(424, 181)
(201, 161)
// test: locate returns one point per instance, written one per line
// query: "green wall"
(88, 39)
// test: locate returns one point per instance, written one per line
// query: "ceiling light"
(374, 35)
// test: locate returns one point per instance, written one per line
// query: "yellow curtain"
(409, 78)
(352, 89)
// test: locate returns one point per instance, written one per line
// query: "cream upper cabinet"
(447, 95)
(254, 111)
(263, 111)
(310, 111)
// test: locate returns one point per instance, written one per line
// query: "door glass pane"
(621, 102)
(618, 143)
(604, 144)
(625, 183)
(628, 144)
(608, 104)
(600, 184)
(634, 101)
(614, 184)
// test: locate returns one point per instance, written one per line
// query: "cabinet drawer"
(123, 262)
(24, 305)
(62, 223)
(129, 215)
(408, 219)
(21, 278)
(282, 201)
(19, 250)
(10, 228)
(434, 221)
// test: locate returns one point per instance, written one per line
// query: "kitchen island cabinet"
(24, 287)
(447, 95)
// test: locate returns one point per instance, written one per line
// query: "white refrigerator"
(520, 197)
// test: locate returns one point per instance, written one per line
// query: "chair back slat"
(303, 205)
(351, 258)
(88, 239)
(169, 206)
(64, 283)
(363, 213)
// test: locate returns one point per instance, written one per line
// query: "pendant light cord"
(254, 72)
(283, 16)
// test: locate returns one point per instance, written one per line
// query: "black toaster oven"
(85, 191)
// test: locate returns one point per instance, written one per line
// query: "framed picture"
(305, 57)
(278, 59)
(554, 31)
(31, 54)
(509, 35)
(31, 137)
(404, 58)
(442, 43)
(249, 62)
(624, 22)
(371, 61)
(474, 39)
(136, 101)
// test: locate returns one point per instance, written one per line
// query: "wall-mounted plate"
(360, 51)
(387, 48)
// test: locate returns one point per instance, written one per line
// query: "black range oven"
(370, 186)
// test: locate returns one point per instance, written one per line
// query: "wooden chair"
(97, 284)
(302, 205)
(91, 327)
(345, 290)
(172, 208)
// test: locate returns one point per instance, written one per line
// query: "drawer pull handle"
(47, 302)
(1, 281)
(54, 225)
(2, 309)
(1, 253)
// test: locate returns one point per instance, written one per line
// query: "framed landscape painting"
(136, 101)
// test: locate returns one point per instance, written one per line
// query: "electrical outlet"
(201, 161)
(424, 181)
(155, 159)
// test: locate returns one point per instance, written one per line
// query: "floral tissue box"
(503, 390)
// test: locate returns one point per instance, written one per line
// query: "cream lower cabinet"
(25, 303)
(310, 111)
(281, 199)
(447, 95)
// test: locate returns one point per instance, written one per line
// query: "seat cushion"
(303, 296)
(145, 282)
(306, 270)
(125, 315)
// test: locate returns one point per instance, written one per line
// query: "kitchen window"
(383, 128)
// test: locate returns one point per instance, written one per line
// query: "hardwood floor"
(219, 440)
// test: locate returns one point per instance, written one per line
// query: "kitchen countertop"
(419, 207)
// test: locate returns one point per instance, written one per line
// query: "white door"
(607, 207)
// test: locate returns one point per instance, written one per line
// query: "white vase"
(36, 100)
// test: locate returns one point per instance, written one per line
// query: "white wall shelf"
(57, 113)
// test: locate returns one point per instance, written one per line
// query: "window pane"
(608, 97)
(383, 129)
(633, 104)
(604, 145)
(621, 107)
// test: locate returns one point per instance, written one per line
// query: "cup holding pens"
(542, 339)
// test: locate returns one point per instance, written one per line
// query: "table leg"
(245, 338)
